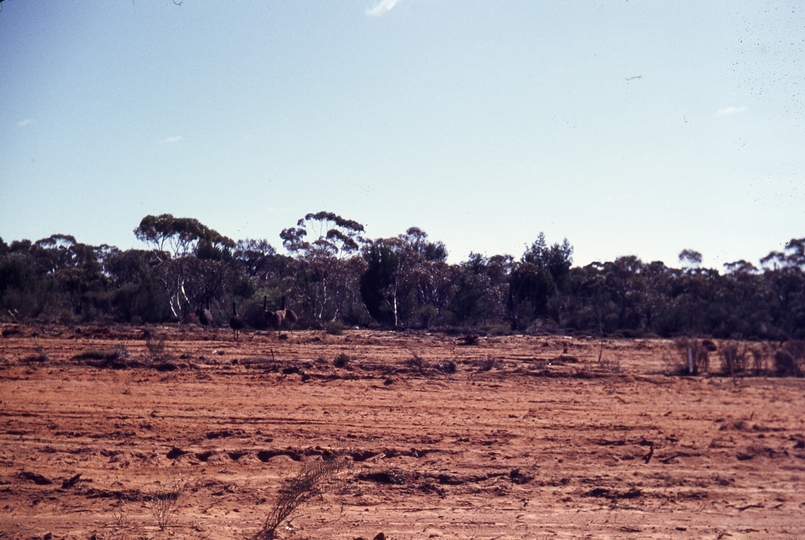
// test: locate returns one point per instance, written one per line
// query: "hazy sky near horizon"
(629, 127)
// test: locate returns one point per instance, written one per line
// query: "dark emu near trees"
(236, 322)
(204, 316)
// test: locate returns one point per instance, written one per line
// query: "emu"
(236, 322)
(273, 318)
(276, 318)
(204, 316)
(290, 316)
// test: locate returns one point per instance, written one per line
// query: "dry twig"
(298, 489)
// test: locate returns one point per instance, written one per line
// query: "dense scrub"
(332, 274)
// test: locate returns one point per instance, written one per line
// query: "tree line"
(333, 274)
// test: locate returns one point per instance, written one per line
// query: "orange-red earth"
(510, 437)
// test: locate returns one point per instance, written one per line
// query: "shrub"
(785, 365)
(608, 362)
(486, 364)
(758, 360)
(39, 356)
(162, 499)
(469, 339)
(118, 357)
(341, 360)
(416, 363)
(446, 366)
(788, 360)
(298, 489)
(693, 358)
(735, 358)
(335, 328)
(155, 346)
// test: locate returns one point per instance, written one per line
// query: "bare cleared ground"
(529, 437)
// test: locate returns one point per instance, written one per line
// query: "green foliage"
(334, 275)
(182, 235)
(326, 278)
(407, 281)
(469, 303)
(24, 288)
(542, 272)
(334, 235)
(380, 283)
(137, 296)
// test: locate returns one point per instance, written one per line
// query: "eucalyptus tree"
(328, 248)
(541, 272)
(381, 284)
(481, 289)
(192, 260)
(137, 293)
(785, 276)
(430, 275)
(77, 270)
(26, 289)
(407, 281)
(743, 303)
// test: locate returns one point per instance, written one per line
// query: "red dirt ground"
(529, 437)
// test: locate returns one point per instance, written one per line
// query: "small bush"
(735, 358)
(162, 499)
(759, 364)
(487, 364)
(446, 366)
(609, 363)
(335, 328)
(469, 339)
(115, 358)
(788, 360)
(155, 346)
(39, 356)
(693, 357)
(786, 365)
(341, 360)
(392, 476)
(416, 363)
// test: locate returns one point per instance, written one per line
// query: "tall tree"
(328, 247)
(536, 278)
(194, 271)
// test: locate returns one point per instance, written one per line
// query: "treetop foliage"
(792, 257)
(333, 235)
(182, 235)
(690, 256)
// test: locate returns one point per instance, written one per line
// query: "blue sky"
(629, 127)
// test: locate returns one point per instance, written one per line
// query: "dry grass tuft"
(736, 358)
(162, 499)
(298, 489)
(40, 356)
(155, 346)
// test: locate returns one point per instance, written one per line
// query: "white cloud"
(26, 122)
(731, 110)
(171, 140)
(381, 7)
